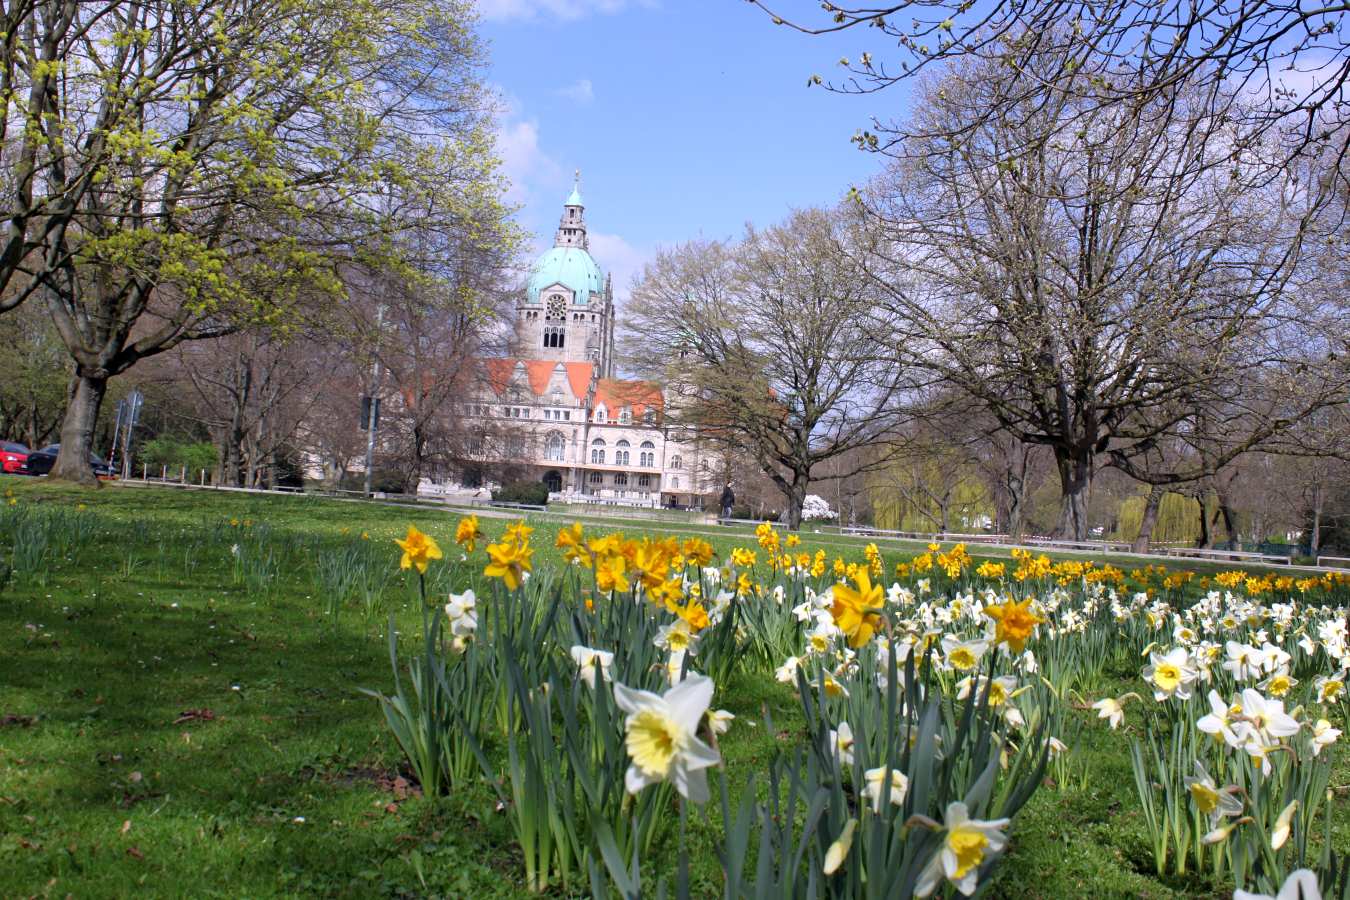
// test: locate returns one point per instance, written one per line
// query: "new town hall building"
(554, 408)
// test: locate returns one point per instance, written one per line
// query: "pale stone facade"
(554, 409)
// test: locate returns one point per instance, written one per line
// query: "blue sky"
(687, 118)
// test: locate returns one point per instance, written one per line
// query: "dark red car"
(13, 458)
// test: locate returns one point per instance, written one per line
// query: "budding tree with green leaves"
(178, 170)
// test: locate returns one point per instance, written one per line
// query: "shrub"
(532, 492)
(165, 451)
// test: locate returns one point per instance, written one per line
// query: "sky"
(687, 118)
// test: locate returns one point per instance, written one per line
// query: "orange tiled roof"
(538, 372)
(640, 395)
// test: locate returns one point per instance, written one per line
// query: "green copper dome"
(571, 267)
(574, 199)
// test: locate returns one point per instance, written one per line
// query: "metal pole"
(373, 422)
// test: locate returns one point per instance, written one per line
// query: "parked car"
(40, 462)
(14, 458)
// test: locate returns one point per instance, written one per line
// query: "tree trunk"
(796, 498)
(77, 431)
(1149, 519)
(1206, 534)
(1015, 482)
(1315, 532)
(1229, 519)
(1075, 479)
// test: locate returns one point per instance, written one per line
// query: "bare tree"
(1265, 68)
(1097, 293)
(771, 343)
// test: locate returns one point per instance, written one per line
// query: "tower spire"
(572, 227)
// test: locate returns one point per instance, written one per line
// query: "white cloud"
(567, 10)
(619, 258)
(524, 162)
(580, 91)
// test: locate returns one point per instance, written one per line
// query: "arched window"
(676, 462)
(645, 460)
(621, 454)
(597, 478)
(648, 458)
(554, 336)
(598, 451)
(648, 445)
(553, 448)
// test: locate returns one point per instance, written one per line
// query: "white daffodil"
(1224, 722)
(1300, 885)
(1244, 661)
(1110, 709)
(820, 639)
(787, 672)
(961, 655)
(1273, 658)
(965, 844)
(1278, 683)
(662, 738)
(841, 743)
(1170, 674)
(461, 614)
(675, 667)
(1323, 735)
(1279, 835)
(1209, 798)
(590, 661)
(719, 720)
(1267, 716)
(677, 637)
(874, 781)
(1329, 688)
(838, 852)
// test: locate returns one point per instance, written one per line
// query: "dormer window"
(601, 415)
(625, 415)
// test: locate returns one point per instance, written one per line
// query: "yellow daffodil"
(418, 550)
(1013, 623)
(508, 561)
(856, 612)
(572, 544)
(468, 534)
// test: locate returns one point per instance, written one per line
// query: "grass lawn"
(179, 716)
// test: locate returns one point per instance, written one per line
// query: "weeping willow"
(899, 503)
(1178, 519)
